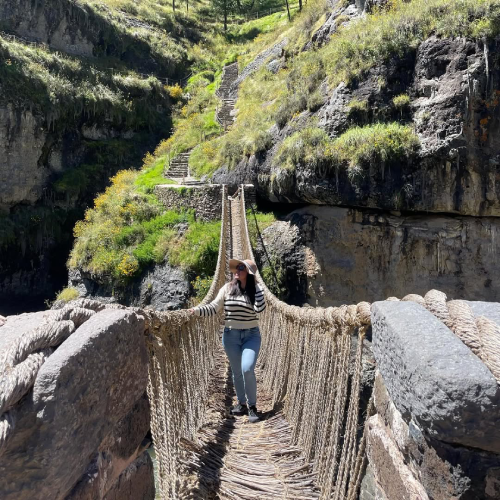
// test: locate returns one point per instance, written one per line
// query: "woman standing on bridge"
(242, 299)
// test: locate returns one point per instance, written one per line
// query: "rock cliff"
(73, 111)
(333, 255)
(454, 91)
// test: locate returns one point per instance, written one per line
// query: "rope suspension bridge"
(310, 443)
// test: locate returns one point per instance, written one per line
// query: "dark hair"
(249, 293)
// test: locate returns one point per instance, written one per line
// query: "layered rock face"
(56, 155)
(56, 27)
(434, 433)
(333, 255)
(81, 432)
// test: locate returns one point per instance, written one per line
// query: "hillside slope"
(82, 94)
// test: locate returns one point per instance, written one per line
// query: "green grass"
(397, 31)
(257, 222)
(152, 175)
(309, 146)
(373, 144)
(127, 230)
(358, 147)
(67, 294)
(198, 249)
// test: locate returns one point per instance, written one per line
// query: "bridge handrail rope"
(181, 350)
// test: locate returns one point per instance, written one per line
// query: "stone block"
(81, 392)
(444, 471)
(433, 378)
(387, 463)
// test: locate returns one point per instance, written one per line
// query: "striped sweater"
(238, 311)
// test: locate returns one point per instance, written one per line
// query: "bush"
(292, 105)
(67, 294)
(373, 144)
(401, 101)
(356, 106)
(175, 91)
(315, 101)
(201, 286)
(309, 146)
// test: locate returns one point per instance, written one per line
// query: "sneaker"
(239, 409)
(252, 414)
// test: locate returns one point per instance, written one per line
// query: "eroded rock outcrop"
(454, 89)
(80, 433)
(337, 255)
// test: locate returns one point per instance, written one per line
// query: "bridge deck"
(232, 458)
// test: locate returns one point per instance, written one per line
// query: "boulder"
(82, 391)
(433, 379)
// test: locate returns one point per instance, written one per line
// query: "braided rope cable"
(22, 359)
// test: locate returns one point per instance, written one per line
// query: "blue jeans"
(242, 348)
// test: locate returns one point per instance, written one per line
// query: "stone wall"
(205, 200)
(80, 433)
(435, 432)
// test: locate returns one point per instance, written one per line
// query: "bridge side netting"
(309, 365)
(181, 350)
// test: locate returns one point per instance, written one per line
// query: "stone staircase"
(227, 94)
(178, 170)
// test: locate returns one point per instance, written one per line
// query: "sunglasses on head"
(241, 267)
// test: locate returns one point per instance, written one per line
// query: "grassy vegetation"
(309, 146)
(64, 88)
(396, 31)
(67, 294)
(377, 143)
(128, 230)
(356, 148)
(257, 222)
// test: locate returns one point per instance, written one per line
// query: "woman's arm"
(214, 307)
(260, 301)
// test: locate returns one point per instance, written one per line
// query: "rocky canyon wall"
(333, 255)
(63, 135)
